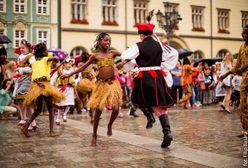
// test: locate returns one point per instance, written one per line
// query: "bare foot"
(109, 133)
(93, 141)
(53, 134)
(25, 131)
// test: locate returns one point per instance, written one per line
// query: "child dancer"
(41, 89)
(108, 90)
(23, 82)
(86, 85)
(66, 86)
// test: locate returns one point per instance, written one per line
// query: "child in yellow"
(41, 89)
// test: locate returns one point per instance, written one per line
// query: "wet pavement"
(203, 137)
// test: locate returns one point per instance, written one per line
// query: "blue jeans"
(192, 98)
(197, 92)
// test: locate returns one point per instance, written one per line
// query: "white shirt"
(169, 56)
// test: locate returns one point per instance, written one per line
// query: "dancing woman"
(108, 90)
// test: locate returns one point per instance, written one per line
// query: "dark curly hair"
(84, 56)
(99, 38)
(4, 84)
(186, 61)
(39, 50)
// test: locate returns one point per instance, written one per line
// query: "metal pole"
(59, 24)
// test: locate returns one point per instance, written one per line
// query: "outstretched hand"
(120, 65)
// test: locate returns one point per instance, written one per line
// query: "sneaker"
(195, 105)
(198, 104)
(57, 121)
(120, 115)
(64, 118)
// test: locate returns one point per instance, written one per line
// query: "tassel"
(140, 75)
(152, 73)
(63, 88)
(163, 73)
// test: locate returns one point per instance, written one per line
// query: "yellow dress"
(41, 84)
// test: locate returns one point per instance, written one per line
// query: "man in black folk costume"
(150, 88)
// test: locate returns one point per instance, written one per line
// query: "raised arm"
(87, 63)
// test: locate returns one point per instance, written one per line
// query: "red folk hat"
(145, 28)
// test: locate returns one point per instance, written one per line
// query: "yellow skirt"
(105, 94)
(85, 86)
(35, 91)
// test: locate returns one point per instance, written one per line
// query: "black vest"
(150, 53)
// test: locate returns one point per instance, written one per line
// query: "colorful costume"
(106, 92)
(86, 84)
(150, 88)
(186, 80)
(41, 83)
(68, 90)
(23, 83)
(242, 60)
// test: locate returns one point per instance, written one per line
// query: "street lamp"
(169, 20)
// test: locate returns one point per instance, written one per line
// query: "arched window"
(77, 51)
(197, 55)
(222, 53)
(20, 32)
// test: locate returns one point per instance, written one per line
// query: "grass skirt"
(85, 86)
(105, 94)
(35, 91)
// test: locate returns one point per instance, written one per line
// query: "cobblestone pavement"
(203, 137)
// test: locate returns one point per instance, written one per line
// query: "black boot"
(149, 116)
(132, 112)
(164, 120)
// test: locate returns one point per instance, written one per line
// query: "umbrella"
(4, 39)
(183, 53)
(58, 52)
(3, 51)
(209, 61)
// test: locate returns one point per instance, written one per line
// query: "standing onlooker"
(226, 66)
(209, 84)
(176, 87)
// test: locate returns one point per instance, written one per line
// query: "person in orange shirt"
(186, 81)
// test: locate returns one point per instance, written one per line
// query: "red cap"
(145, 28)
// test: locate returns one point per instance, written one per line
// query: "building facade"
(34, 20)
(209, 28)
